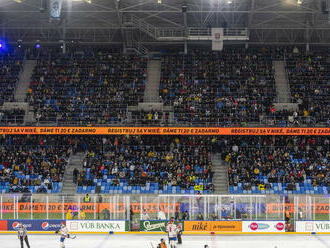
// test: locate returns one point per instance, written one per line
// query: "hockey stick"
(68, 237)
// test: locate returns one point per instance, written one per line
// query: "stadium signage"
(96, 226)
(263, 226)
(213, 226)
(164, 131)
(153, 225)
(35, 225)
(312, 226)
(3, 225)
(87, 207)
(318, 208)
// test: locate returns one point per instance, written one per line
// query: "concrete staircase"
(220, 178)
(282, 83)
(151, 92)
(76, 161)
(24, 81)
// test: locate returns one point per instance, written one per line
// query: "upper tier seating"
(10, 67)
(225, 88)
(89, 88)
(309, 77)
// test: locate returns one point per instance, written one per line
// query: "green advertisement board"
(154, 225)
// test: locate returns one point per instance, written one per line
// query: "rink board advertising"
(263, 226)
(35, 225)
(97, 226)
(213, 226)
(312, 226)
(164, 131)
(3, 225)
(154, 225)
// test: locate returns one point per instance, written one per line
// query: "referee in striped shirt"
(22, 235)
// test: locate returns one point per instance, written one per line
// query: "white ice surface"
(144, 241)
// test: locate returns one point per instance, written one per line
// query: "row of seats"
(138, 190)
(231, 87)
(278, 164)
(147, 164)
(309, 84)
(280, 189)
(10, 68)
(33, 163)
(86, 88)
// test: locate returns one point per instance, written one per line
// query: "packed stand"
(281, 164)
(86, 88)
(309, 78)
(12, 116)
(34, 163)
(225, 88)
(146, 164)
(10, 67)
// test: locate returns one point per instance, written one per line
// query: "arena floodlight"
(2, 45)
(37, 45)
(299, 2)
(230, 1)
(159, 1)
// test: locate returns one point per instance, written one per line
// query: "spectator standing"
(87, 199)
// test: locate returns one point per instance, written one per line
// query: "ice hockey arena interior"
(165, 123)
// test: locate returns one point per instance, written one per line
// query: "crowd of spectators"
(10, 67)
(33, 163)
(86, 87)
(309, 78)
(231, 87)
(12, 116)
(278, 163)
(148, 160)
(166, 164)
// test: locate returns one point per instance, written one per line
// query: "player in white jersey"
(64, 234)
(172, 231)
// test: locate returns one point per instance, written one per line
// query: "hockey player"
(172, 231)
(64, 234)
(22, 235)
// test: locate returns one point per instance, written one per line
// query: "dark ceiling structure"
(141, 23)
